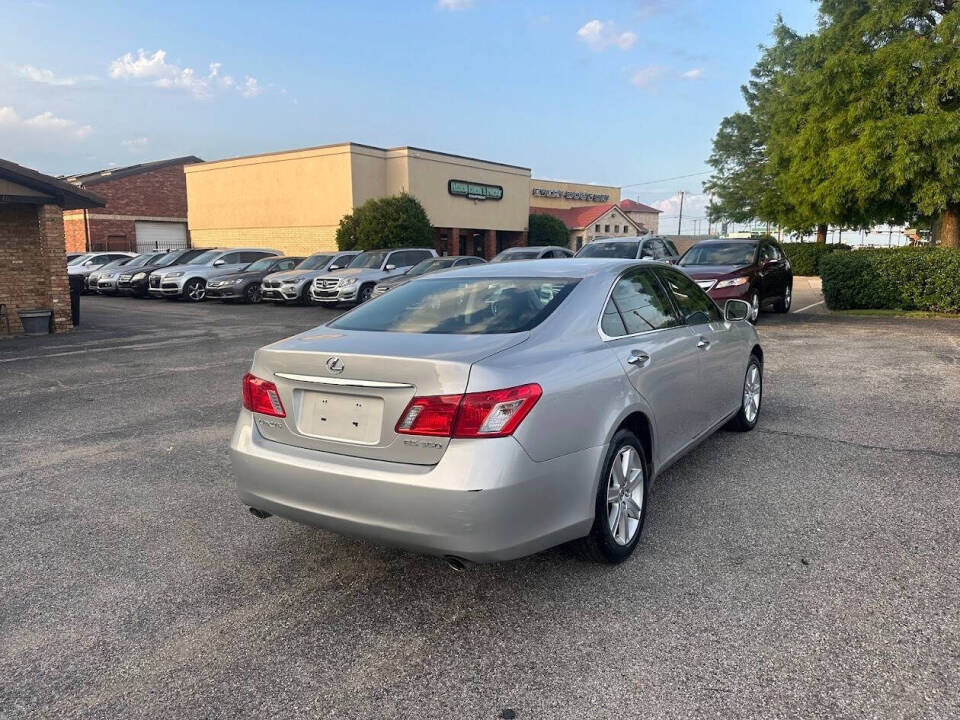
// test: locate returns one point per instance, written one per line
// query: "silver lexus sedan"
(490, 412)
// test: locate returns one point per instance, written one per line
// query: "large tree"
(390, 222)
(547, 230)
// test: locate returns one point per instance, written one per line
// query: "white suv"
(355, 283)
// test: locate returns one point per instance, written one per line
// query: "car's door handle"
(638, 357)
(703, 343)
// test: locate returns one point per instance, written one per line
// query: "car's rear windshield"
(461, 306)
(206, 257)
(368, 260)
(732, 253)
(313, 262)
(517, 255)
(609, 250)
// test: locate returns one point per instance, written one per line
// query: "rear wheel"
(251, 293)
(621, 502)
(783, 304)
(195, 290)
(746, 419)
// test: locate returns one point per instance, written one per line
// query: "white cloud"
(692, 74)
(160, 73)
(646, 76)
(694, 208)
(45, 122)
(454, 4)
(135, 144)
(44, 76)
(599, 35)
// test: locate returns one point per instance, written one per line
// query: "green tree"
(390, 222)
(547, 230)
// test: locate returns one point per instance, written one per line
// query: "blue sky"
(616, 92)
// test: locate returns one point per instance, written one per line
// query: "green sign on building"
(475, 191)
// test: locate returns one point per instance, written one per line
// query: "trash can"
(76, 287)
(35, 322)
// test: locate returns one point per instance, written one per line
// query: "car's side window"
(768, 252)
(657, 249)
(695, 305)
(233, 258)
(342, 260)
(286, 265)
(254, 255)
(406, 258)
(641, 304)
(671, 248)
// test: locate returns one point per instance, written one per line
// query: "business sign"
(475, 191)
(571, 195)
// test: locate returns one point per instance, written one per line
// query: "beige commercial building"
(567, 195)
(293, 201)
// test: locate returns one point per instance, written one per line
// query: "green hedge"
(805, 257)
(897, 279)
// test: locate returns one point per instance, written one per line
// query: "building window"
(606, 228)
(596, 228)
(616, 228)
(579, 241)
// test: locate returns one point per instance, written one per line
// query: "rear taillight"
(261, 396)
(496, 413)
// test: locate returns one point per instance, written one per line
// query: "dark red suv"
(755, 270)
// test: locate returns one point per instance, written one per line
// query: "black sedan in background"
(755, 270)
(422, 268)
(137, 282)
(245, 284)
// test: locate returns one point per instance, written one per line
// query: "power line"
(677, 177)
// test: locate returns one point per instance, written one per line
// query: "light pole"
(680, 220)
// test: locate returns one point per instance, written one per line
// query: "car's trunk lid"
(344, 391)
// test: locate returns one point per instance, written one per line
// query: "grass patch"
(910, 314)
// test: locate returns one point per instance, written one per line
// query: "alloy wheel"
(752, 389)
(253, 293)
(196, 290)
(625, 487)
(754, 307)
(787, 297)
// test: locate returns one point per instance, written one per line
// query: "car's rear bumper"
(486, 500)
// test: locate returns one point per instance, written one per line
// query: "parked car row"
(754, 270)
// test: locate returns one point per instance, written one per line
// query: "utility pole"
(680, 220)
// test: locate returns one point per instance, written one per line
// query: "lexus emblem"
(335, 365)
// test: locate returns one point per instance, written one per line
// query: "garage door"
(160, 235)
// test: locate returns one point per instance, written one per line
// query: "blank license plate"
(348, 418)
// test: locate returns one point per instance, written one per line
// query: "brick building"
(644, 215)
(146, 208)
(33, 263)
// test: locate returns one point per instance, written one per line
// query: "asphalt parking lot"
(808, 569)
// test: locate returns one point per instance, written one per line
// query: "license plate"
(347, 418)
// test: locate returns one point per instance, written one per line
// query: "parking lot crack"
(866, 446)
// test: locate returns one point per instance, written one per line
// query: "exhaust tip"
(456, 564)
(262, 514)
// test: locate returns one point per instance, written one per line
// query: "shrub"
(897, 279)
(390, 222)
(547, 230)
(805, 257)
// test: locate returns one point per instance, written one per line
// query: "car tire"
(305, 297)
(754, 307)
(251, 294)
(363, 294)
(195, 290)
(783, 304)
(751, 398)
(616, 529)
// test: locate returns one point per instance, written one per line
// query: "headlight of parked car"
(173, 274)
(732, 282)
(139, 276)
(349, 281)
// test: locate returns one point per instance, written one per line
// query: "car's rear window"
(609, 250)
(461, 306)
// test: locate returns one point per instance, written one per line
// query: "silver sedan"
(491, 412)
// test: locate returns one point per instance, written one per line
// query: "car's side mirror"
(736, 310)
(219, 262)
(391, 266)
(333, 267)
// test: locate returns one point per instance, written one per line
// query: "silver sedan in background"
(490, 412)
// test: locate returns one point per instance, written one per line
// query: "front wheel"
(251, 293)
(746, 419)
(305, 297)
(783, 304)
(621, 502)
(754, 307)
(195, 290)
(364, 294)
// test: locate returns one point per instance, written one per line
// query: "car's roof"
(712, 241)
(555, 268)
(393, 249)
